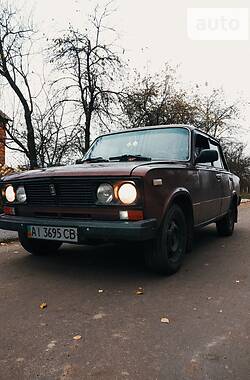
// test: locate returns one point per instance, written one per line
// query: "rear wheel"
(225, 226)
(39, 247)
(165, 254)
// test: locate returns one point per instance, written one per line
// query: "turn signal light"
(135, 215)
(8, 210)
(131, 215)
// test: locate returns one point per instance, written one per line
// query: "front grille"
(69, 192)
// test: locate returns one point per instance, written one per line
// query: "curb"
(7, 236)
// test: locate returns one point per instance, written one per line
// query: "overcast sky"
(155, 31)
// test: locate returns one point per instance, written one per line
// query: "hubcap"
(174, 241)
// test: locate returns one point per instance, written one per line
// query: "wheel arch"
(182, 198)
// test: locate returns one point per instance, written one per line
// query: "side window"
(219, 162)
(201, 142)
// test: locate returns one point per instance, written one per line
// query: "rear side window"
(201, 142)
(219, 162)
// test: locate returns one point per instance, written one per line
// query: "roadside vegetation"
(84, 86)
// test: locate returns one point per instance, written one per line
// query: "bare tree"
(56, 136)
(214, 114)
(154, 100)
(238, 162)
(15, 48)
(89, 67)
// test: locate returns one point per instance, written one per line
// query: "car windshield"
(171, 144)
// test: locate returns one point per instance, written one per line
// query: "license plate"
(53, 233)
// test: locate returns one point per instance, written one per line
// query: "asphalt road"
(122, 337)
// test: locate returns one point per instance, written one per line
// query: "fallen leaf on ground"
(43, 305)
(139, 291)
(51, 345)
(20, 360)
(99, 316)
(77, 337)
(164, 320)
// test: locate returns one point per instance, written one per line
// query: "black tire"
(39, 247)
(225, 226)
(165, 254)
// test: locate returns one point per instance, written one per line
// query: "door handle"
(218, 176)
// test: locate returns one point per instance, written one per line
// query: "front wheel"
(38, 247)
(165, 254)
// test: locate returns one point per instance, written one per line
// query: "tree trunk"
(87, 132)
(31, 141)
(27, 114)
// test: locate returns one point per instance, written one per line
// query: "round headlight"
(105, 193)
(127, 193)
(10, 193)
(20, 194)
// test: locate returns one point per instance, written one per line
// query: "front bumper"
(88, 230)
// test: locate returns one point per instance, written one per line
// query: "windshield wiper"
(130, 157)
(96, 159)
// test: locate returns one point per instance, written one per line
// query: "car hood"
(107, 169)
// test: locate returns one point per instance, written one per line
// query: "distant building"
(3, 121)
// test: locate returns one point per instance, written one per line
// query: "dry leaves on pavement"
(139, 291)
(165, 320)
(77, 337)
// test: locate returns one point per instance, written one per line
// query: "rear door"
(210, 184)
(225, 178)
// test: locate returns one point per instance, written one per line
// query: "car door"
(210, 184)
(225, 178)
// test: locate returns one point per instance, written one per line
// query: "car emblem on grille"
(52, 189)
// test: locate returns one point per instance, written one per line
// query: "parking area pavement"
(97, 325)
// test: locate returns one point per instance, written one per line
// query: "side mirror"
(207, 155)
(79, 161)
